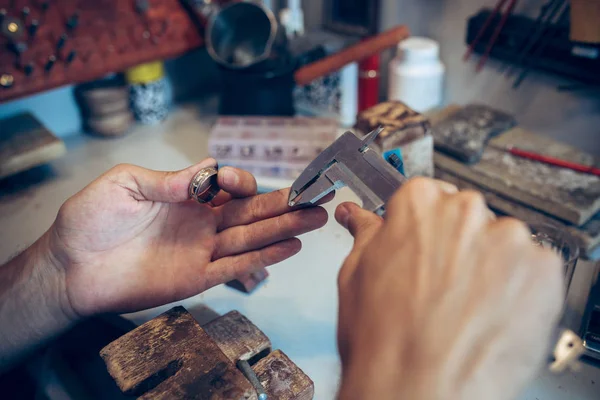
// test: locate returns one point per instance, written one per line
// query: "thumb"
(161, 186)
(361, 224)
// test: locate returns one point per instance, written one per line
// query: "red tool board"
(49, 43)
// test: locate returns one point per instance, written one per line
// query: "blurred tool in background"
(557, 162)
(496, 33)
(562, 38)
(558, 15)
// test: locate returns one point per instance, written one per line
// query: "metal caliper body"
(351, 162)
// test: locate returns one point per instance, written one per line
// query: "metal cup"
(243, 34)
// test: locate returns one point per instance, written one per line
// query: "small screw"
(19, 48)
(50, 63)
(13, 27)
(6, 80)
(61, 41)
(35, 24)
(28, 69)
(73, 21)
(71, 56)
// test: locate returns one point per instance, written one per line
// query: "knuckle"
(265, 258)
(346, 271)
(513, 230)
(246, 237)
(121, 168)
(415, 190)
(282, 196)
(420, 185)
(368, 224)
(283, 223)
(471, 201)
(255, 208)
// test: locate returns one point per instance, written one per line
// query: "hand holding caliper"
(440, 225)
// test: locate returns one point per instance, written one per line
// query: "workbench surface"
(296, 307)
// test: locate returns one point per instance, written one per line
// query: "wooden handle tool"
(357, 52)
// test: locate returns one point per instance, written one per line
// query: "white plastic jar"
(416, 74)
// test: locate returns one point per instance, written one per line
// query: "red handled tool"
(549, 160)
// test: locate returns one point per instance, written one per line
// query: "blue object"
(394, 157)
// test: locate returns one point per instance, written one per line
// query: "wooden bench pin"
(173, 357)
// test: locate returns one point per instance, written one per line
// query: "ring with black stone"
(204, 185)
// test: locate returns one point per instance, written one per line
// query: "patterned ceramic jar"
(150, 92)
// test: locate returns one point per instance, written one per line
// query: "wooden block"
(26, 143)
(435, 116)
(401, 123)
(564, 194)
(237, 337)
(586, 236)
(464, 133)
(585, 17)
(405, 129)
(568, 195)
(247, 283)
(282, 379)
(171, 356)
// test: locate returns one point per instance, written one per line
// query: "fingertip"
(237, 182)
(342, 214)
(228, 177)
(291, 246)
(296, 244)
(318, 216)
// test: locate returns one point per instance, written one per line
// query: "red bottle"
(368, 82)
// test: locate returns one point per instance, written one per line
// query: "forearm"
(33, 302)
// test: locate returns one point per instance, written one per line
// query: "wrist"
(34, 306)
(388, 374)
(50, 264)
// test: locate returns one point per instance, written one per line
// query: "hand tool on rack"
(495, 34)
(562, 19)
(547, 11)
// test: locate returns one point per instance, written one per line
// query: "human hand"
(440, 301)
(132, 239)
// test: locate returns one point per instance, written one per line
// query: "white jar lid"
(418, 49)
